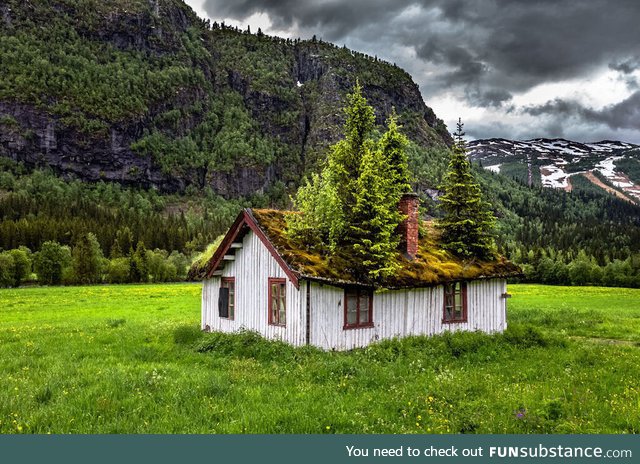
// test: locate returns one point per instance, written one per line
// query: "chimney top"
(408, 228)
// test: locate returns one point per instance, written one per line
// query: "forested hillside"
(145, 93)
(132, 132)
(586, 236)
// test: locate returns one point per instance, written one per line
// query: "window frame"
(449, 290)
(229, 280)
(282, 294)
(359, 291)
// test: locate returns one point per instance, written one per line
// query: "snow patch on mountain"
(558, 159)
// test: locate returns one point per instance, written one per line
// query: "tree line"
(84, 263)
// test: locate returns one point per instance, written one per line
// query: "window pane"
(283, 304)
(352, 309)
(448, 313)
(364, 308)
(274, 309)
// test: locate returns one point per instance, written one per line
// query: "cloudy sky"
(509, 68)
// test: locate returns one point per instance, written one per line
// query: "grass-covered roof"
(431, 266)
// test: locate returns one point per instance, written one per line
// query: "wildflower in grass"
(520, 413)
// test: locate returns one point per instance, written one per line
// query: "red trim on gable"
(245, 218)
(253, 225)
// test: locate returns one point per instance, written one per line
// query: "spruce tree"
(384, 177)
(87, 260)
(467, 225)
(353, 204)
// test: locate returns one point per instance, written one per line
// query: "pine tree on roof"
(468, 223)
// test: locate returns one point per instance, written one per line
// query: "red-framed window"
(277, 301)
(227, 298)
(455, 302)
(358, 308)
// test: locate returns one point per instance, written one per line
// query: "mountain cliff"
(144, 93)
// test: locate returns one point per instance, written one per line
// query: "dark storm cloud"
(516, 43)
(622, 115)
(491, 97)
(333, 20)
(480, 51)
(626, 66)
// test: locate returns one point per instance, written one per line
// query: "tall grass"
(131, 359)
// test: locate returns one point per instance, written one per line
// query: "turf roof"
(431, 266)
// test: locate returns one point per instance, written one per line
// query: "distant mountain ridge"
(145, 93)
(610, 165)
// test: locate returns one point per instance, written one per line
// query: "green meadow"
(131, 359)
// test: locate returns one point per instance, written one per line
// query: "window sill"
(454, 321)
(284, 326)
(361, 326)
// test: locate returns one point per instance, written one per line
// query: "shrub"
(6, 264)
(525, 336)
(118, 271)
(247, 344)
(186, 334)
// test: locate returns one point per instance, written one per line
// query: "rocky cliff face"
(144, 93)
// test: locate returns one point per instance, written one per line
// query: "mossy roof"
(431, 266)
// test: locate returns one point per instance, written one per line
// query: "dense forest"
(582, 237)
(122, 229)
(132, 132)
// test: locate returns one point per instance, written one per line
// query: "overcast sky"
(516, 69)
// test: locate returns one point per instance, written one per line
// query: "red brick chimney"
(409, 227)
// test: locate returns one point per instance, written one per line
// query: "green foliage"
(630, 166)
(199, 263)
(567, 364)
(6, 266)
(160, 268)
(39, 207)
(118, 270)
(467, 225)
(139, 264)
(227, 137)
(51, 261)
(87, 260)
(353, 203)
(546, 230)
(18, 267)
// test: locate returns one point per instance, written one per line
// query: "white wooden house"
(257, 280)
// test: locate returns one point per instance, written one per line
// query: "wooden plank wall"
(252, 267)
(398, 313)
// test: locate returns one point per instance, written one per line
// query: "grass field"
(130, 359)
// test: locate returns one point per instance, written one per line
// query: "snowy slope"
(555, 161)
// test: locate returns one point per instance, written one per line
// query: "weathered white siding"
(398, 313)
(252, 267)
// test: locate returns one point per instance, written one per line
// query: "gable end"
(243, 223)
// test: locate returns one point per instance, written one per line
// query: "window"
(227, 298)
(455, 302)
(277, 301)
(358, 308)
